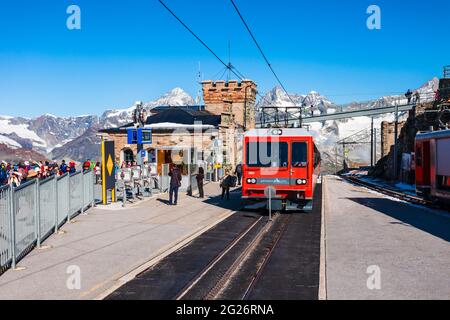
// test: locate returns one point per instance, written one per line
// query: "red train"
(286, 159)
(432, 165)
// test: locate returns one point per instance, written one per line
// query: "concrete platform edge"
(323, 267)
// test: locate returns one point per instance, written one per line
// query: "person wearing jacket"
(225, 184)
(238, 173)
(72, 167)
(63, 167)
(175, 184)
(200, 178)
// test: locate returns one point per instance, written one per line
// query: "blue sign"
(132, 136)
(139, 136)
(144, 136)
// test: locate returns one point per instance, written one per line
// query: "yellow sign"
(110, 165)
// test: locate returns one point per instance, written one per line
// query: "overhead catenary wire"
(228, 66)
(262, 52)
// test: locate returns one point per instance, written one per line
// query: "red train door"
(299, 161)
(426, 163)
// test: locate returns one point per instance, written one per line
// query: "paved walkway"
(407, 245)
(110, 242)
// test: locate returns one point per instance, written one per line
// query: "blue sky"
(135, 50)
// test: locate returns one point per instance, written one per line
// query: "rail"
(34, 210)
(389, 192)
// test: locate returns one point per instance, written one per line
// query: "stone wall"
(241, 94)
(422, 118)
(388, 135)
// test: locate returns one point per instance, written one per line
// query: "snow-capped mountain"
(328, 133)
(118, 117)
(43, 133)
(311, 102)
(59, 136)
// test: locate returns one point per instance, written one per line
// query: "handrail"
(24, 185)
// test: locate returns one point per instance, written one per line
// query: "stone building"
(388, 136)
(210, 135)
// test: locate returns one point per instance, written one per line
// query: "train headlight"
(302, 181)
(251, 181)
(277, 132)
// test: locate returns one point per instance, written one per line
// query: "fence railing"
(36, 209)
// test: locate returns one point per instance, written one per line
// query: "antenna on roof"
(229, 59)
(198, 98)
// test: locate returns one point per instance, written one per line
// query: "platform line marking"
(162, 253)
(323, 267)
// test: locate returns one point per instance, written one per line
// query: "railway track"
(224, 277)
(245, 257)
(393, 193)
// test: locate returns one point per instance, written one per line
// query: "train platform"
(109, 245)
(378, 247)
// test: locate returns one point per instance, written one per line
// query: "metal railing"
(33, 211)
(268, 116)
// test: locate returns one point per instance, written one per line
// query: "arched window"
(151, 155)
(127, 155)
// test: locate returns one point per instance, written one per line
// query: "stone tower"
(242, 95)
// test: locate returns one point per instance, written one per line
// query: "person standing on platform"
(175, 184)
(238, 173)
(225, 184)
(200, 178)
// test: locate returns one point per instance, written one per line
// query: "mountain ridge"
(59, 137)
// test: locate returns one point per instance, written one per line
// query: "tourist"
(98, 172)
(238, 173)
(408, 95)
(175, 184)
(86, 165)
(72, 169)
(225, 184)
(63, 167)
(200, 178)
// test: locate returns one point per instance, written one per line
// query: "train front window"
(299, 154)
(267, 154)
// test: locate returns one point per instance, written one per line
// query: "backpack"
(233, 181)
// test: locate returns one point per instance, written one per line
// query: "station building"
(209, 135)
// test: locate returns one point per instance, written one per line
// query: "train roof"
(433, 135)
(280, 132)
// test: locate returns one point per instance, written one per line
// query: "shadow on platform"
(434, 224)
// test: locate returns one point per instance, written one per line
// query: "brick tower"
(242, 95)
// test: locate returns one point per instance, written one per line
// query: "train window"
(299, 154)
(317, 157)
(267, 154)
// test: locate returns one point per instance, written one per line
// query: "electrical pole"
(375, 145)
(395, 142)
(371, 144)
